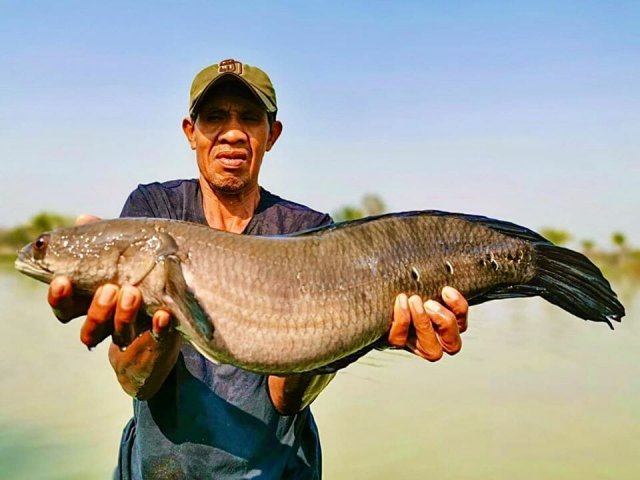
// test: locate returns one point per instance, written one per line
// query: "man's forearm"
(292, 394)
(143, 367)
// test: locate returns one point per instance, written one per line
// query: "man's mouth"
(232, 158)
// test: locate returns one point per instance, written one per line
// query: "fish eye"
(40, 246)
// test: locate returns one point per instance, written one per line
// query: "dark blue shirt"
(208, 420)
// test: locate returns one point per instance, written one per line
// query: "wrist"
(144, 365)
(292, 394)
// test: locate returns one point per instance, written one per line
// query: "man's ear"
(274, 134)
(189, 131)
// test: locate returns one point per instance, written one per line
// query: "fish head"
(88, 255)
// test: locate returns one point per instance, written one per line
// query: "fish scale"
(303, 302)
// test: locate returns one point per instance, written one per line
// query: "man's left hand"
(429, 329)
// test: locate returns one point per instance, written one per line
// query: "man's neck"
(226, 211)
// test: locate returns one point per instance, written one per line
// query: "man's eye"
(251, 118)
(214, 117)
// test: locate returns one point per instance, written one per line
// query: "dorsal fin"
(502, 226)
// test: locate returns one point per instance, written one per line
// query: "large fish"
(296, 303)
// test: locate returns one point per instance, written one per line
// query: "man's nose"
(233, 132)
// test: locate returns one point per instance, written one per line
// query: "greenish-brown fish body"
(298, 303)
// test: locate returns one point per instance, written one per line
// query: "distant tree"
(371, 204)
(22, 234)
(45, 221)
(559, 237)
(619, 240)
(16, 237)
(587, 246)
(346, 213)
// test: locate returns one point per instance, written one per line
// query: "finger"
(401, 322)
(124, 320)
(65, 305)
(84, 219)
(160, 324)
(446, 326)
(454, 300)
(99, 324)
(426, 343)
(59, 289)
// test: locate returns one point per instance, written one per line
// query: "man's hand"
(151, 350)
(112, 310)
(429, 329)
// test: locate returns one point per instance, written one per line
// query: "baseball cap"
(255, 79)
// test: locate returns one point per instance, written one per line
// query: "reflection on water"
(535, 393)
(62, 411)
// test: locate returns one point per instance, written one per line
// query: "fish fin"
(567, 279)
(508, 228)
(349, 359)
(164, 244)
(506, 291)
(571, 281)
(140, 258)
(183, 300)
(134, 264)
(502, 226)
(205, 353)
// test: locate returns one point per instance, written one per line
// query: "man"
(192, 418)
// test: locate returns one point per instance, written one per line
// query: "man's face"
(230, 136)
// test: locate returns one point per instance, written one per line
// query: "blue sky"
(526, 111)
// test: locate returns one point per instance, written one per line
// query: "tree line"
(12, 239)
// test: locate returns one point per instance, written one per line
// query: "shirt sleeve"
(137, 206)
(324, 221)
(311, 220)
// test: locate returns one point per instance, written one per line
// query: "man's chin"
(230, 186)
(230, 189)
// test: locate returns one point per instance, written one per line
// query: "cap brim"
(261, 97)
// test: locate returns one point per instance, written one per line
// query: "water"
(534, 394)
(61, 410)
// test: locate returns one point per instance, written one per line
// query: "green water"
(534, 394)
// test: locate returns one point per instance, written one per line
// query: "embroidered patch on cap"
(230, 66)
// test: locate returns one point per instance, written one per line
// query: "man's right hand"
(112, 310)
(151, 347)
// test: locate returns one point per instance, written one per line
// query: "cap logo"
(230, 66)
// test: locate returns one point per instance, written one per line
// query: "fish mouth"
(32, 270)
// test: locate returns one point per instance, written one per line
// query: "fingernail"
(432, 306)
(417, 304)
(57, 289)
(449, 293)
(164, 321)
(107, 294)
(128, 299)
(403, 301)
(87, 340)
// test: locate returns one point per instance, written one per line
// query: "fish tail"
(571, 281)
(563, 277)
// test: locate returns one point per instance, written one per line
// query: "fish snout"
(29, 261)
(25, 253)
